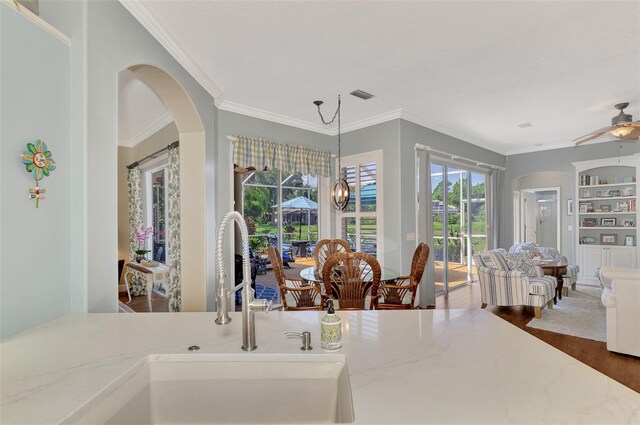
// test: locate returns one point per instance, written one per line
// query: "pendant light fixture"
(340, 191)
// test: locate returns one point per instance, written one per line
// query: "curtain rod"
(153, 155)
(418, 146)
(234, 139)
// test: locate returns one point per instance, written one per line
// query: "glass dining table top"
(309, 273)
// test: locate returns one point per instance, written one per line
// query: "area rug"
(580, 314)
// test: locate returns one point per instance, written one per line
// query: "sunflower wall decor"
(38, 161)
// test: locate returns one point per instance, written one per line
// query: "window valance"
(261, 153)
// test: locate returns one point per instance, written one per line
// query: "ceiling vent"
(525, 125)
(361, 94)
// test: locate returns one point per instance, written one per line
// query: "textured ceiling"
(474, 70)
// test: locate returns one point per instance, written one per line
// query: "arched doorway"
(190, 264)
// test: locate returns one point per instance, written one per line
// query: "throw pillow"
(520, 261)
(551, 254)
(528, 248)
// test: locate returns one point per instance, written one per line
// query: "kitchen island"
(421, 366)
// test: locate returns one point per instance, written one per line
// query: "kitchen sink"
(225, 389)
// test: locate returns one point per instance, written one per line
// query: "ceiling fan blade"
(593, 135)
(634, 135)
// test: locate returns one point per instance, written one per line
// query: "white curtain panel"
(173, 232)
(497, 187)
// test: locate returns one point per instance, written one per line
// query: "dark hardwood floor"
(624, 369)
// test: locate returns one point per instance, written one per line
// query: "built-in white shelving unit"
(606, 214)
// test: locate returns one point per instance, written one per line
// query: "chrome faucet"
(249, 304)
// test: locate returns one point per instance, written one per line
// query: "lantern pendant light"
(340, 191)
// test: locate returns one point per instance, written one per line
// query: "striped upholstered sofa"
(551, 254)
(518, 283)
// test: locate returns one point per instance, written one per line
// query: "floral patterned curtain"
(260, 153)
(173, 231)
(136, 215)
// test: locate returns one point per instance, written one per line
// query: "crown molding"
(368, 122)
(158, 32)
(38, 21)
(414, 118)
(546, 147)
(250, 111)
(149, 131)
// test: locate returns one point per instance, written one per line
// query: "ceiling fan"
(621, 127)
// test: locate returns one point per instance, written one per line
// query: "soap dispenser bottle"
(331, 329)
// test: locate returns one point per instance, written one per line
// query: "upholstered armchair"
(621, 297)
(518, 284)
(550, 254)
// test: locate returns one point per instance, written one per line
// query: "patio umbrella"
(300, 203)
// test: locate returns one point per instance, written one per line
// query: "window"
(360, 224)
(280, 205)
(156, 208)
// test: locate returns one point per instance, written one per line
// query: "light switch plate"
(570, 228)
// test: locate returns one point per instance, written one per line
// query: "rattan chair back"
(349, 277)
(306, 296)
(325, 248)
(394, 294)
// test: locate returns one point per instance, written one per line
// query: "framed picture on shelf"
(605, 208)
(630, 240)
(608, 239)
(608, 222)
(627, 223)
(590, 222)
(588, 240)
(602, 194)
(614, 192)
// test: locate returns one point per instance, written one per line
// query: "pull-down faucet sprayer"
(249, 304)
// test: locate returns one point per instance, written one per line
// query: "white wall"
(110, 40)
(35, 244)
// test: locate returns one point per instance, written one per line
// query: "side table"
(139, 279)
(556, 269)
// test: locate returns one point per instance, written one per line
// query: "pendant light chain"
(339, 144)
(340, 193)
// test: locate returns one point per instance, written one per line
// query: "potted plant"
(141, 237)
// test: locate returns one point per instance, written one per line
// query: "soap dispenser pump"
(331, 329)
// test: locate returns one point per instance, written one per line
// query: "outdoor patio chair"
(295, 292)
(287, 250)
(350, 277)
(395, 296)
(327, 247)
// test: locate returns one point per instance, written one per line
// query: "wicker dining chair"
(349, 277)
(325, 248)
(391, 296)
(306, 296)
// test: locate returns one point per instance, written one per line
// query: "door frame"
(520, 219)
(469, 169)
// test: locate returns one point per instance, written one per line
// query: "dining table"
(309, 274)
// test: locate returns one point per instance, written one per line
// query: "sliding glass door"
(459, 222)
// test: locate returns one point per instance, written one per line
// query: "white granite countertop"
(427, 366)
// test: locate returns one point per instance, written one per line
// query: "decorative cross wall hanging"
(38, 161)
